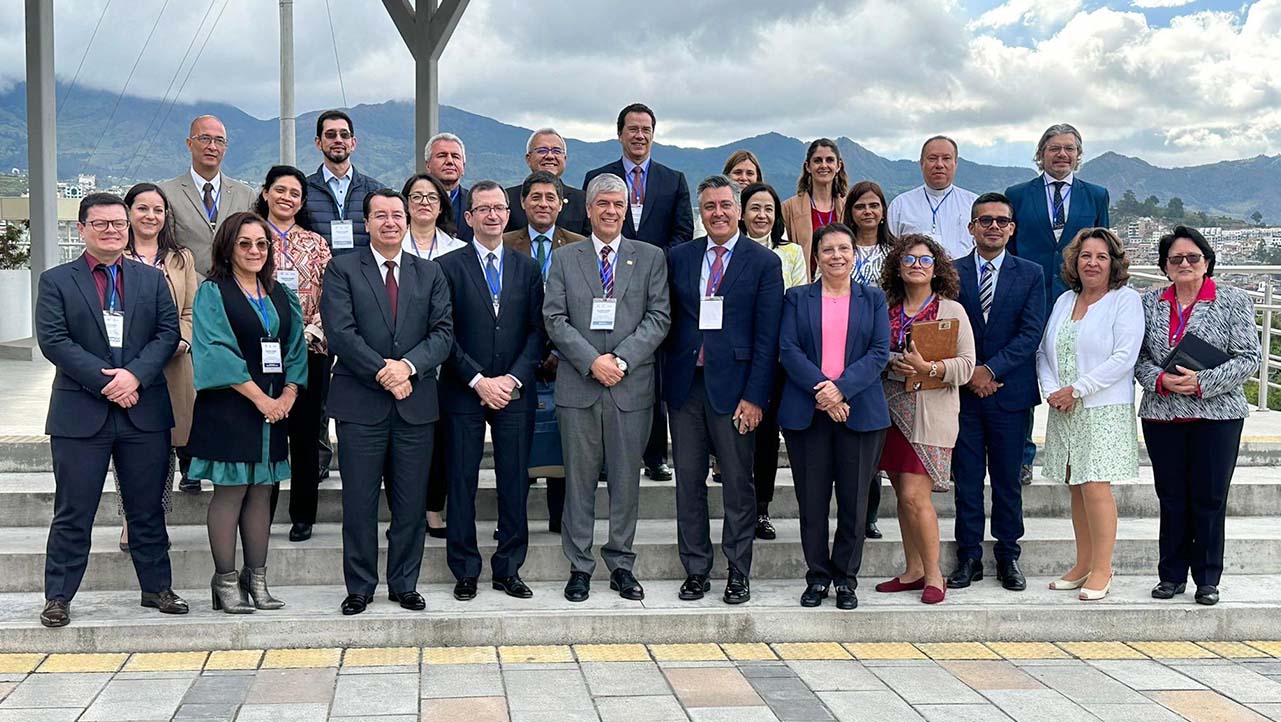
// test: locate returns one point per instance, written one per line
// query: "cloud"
(1161, 3)
(1041, 14)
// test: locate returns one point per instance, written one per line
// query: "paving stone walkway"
(852, 682)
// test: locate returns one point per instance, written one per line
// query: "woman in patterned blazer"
(1192, 420)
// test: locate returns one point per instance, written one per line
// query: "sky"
(1175, 82)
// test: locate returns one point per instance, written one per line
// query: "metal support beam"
(426, 31)
(42, 141)
(287, 120)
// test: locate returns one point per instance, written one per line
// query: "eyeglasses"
(385, 216)
(923, 261)
(1189, 258)
(1056, 149)
(486, 210)
(1000, 221)
(554, 152)
(101, 226)
(246, 245)
(426, 199)
(336, 134)
(205, 139)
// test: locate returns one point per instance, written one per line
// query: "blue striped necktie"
(986, 288)
(606, 272)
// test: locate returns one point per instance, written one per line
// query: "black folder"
(1192, 352)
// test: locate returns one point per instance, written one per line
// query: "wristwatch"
(1076, 393)
(622, 365)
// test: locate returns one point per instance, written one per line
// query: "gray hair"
(605, 183)
(1050, 132)
(955, 150)
(444, 136)
(718, 181)
(529, 144)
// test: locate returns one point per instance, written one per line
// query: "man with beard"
(336, 191)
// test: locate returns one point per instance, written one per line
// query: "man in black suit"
(546, 151)
(658, 212)
(446, 159)
(108, 325)
(497, 297)
(387, 317)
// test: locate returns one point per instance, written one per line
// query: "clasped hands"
(122, 389)
(1061, 400)
(274, 410)
(495, 391)
(394, 377)
(982, 384)
(605, 370)
(828, 398)
(1184, 382)
(910, 362)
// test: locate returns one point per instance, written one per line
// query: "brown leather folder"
(935, 341)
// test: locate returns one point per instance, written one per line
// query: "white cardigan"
(1108, 339)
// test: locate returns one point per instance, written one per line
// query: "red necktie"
(393, 289)
(638, 186)
(713, 281)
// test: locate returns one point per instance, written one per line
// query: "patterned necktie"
(1060, 213)
(211, 210)
(393, 288)
(638, 186)
(606, 272)
(540, 254)
(986, 288)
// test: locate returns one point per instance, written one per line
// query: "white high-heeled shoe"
(1059, 585)
(1094, 595)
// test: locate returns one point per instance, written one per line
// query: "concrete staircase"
(106, 616)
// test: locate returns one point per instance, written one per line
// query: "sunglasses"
(250, 245)
(1000, 221)
(1189, 258)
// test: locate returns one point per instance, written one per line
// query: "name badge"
(603, 310)
(637, 211)
(342, 234)
(288, 277)
(272, 360)
(115, 323)
(711, 313)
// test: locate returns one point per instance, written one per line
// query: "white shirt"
(996, 266)
(709, 257)
(339, 188)
(482, 255)
(1049, 195)
(382, 272)
(616, 245)
(943, 215)
(444, 244)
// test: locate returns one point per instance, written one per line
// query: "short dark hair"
(777, 231)
(383, 193)
(165, 242)
(333, 115)
(1118, 264)
(635, 108)
(541, 176)
(717, 181)
(824, 232)
(955, 150)
(860, 189)
(946, 283)
(1192, 234)
(100, 199)
(445, 218)
(989, 198)
(224, 247)
(275, 173)
(484, 185)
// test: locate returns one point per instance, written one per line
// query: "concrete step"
(113, 621)
(26, 499)
(1253, 547)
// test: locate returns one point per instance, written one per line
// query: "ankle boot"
(225, 589)
(254, 583)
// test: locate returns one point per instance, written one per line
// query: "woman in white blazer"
(1086, 370)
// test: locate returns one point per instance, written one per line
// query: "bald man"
(200, 198)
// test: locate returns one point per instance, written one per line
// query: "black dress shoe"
(436, 532)
(845, 597)
(1207, 594)
(299, 531)
(165, 602)
(626, 585)
(355, 603)
(513, 586)
(1167, 590)
(465, 589)
(813, 595)
(1010, 576)
(324, 472)
(872, 531)
(738, 588)
(578, 587)
(966, 572)
(695, 586)
(662, 472)
(190, 486)
(412, 601)
(57, 613)
(553, 526)
(718, 477)
(765, 529)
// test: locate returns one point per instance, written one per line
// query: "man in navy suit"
(387, 317)
(497, 297)
(108, 325)
(727, 302)
(446, 159)
(1004, 299)
(658, 212)
(1049, 211)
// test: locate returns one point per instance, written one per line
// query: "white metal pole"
(287, 132)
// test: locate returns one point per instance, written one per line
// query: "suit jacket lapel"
(523, 243)
(378, 287)
(1040, 206)
(131, 284)
(560, 239)
(968, 271)
(1005, 279)
(509, 282)
(816, 319)
(591, 272)
(408, 276)
(653, 180)
(84, 279)
(734, 269)
(193, 196)
(477, 276)
(624, 266)
(852, 326)
(1080, 213)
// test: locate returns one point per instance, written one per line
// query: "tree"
(1150, 206)
(12, 254)
(1128, 205)
(1174, 209)
(1202, 219)
(1257, 217)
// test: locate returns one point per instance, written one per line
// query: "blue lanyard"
(112, 272)
(905, 323)
(716, 279)
(1049, 197)
(260, 303)
(1184, 318)
(212, 213)
(155, 261)
(495, 290)
(831, 215)
(413, 242)
(284, 242)
(547, 259)
(934, 210)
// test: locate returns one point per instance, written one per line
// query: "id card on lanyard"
(711, 308)
(273, 360)
(112, 318)
(286, 276)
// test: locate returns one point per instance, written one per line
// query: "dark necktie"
(1060, 213)
(606, 272)
(393, 289)
(540, 254)
(986, 287)
(211, 210)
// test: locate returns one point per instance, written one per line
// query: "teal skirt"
(242, 473)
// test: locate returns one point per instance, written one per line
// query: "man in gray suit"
(203, 196)
(607, 311)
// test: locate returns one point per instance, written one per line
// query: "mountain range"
(126, 138)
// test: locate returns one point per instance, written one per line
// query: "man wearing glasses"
(336, 191)
(545, 151)
(202, 197)
(1004, 298)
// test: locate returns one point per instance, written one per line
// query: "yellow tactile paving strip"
(249, 659)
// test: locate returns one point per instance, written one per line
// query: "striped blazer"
(1227, 323)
